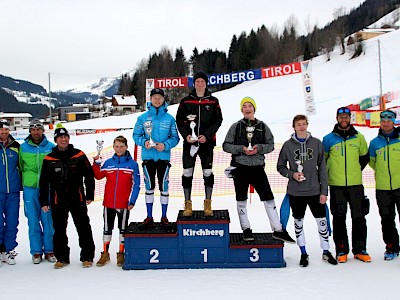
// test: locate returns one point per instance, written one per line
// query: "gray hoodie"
(311, 155)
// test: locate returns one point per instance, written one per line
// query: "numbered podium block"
(204, 240)
(264, 251)
(151, 247)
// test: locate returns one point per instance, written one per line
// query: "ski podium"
(198, 242)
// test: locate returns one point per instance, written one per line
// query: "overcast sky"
(82, 40)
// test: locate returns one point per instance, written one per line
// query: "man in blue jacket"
(155, 131)
(40, 223)
(10, 187)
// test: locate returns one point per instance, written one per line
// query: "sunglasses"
(387, 115)
(36, 126)
(343, 111)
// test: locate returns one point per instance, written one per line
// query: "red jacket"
(123, 181)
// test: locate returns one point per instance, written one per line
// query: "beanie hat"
(200, 74)
(60, 130)
(249, 100)
(157, 91)
(4, 124)
(343, 110)
(388, 115)
(35, 123)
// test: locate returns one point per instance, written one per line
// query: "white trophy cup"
(300, 169)
(250, 134)
(99, 146)
(148, 126)
(192, 125)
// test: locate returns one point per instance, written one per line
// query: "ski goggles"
(343, 110)
(4, 124)
(36, 126)
(388, 115)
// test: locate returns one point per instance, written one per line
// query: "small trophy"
(300, 169)
(192, 126)
(99, 146)
(148, 127)
(250, 134)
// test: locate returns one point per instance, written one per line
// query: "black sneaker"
(248, 235)
(327, 256)
(304, 260)
(283, 236)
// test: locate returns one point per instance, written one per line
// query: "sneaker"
(104, 258)
(363, 256)
(248, 235)
(60, 265)
(388, 255)
(327, 256)
(37, 258)
(304, 260)
(87, 263)
(50, 257)
(9, 257)
(164, 221)
(188, 208)
(207, 208)
(120, 259)
(341, 258)
(283, 236)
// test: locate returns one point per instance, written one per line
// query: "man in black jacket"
(64, 171)
(198, 118)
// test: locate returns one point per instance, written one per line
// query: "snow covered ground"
(336, 83)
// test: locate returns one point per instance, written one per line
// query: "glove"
(228, 171)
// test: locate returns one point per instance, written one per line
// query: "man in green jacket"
(346, 154)
(384, 153)
(31, 155)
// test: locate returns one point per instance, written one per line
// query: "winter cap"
(388, 115)
(343, 110)
(60, 130)
(248, 100)
(4, 124)
(157, 92)
(200, 74)
(35, 123)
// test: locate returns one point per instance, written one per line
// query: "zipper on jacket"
(116, 183)
(345, 160)
(388, 162)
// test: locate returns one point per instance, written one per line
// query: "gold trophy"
(250, 134)
(191, 118)
(148, 125)
(300, 169)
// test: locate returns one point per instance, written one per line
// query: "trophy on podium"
(99, 146)
(300, 169)
(250, 134)
(191, 118)
(148, 125)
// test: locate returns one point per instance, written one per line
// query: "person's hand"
(88, 202)
(45, 208)
(147, 144)
(298, 176)
(130, 206)
(202, 139)
(250, 152)
(160, 147)
(323, 199)
(98, 159)
(189, 139)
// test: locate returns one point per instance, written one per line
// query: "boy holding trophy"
(155, 131)
(302, 161)
(248, 140)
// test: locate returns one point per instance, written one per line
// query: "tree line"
(261, 48)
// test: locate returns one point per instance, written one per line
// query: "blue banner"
(234, 77)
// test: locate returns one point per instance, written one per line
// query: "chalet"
(123, 105)
(18, 121)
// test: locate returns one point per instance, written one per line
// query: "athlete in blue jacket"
(155, 131)
(10, 186)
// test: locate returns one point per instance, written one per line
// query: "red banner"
(174, 82)
(281, 70)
